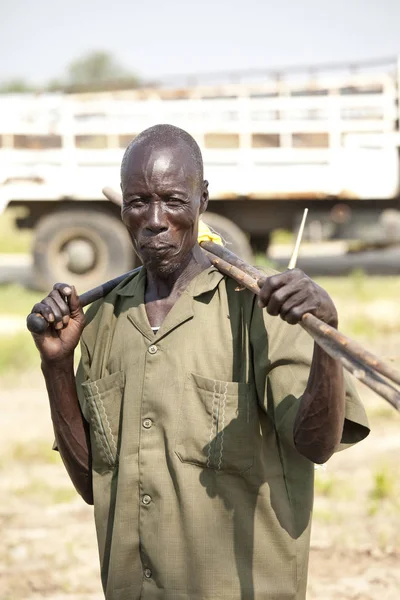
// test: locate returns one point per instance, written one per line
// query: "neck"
(161, 285)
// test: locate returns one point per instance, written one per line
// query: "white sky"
(161, 37)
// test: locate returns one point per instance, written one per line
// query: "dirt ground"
(48, 548)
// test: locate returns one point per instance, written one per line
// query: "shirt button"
(147, 423)
(153, 349)
(147, 573)
(146, 499)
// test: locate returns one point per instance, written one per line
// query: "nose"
(156, 218)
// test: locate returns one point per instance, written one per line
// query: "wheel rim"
(78, 253)
(79, 256)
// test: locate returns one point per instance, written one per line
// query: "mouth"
(155, 247)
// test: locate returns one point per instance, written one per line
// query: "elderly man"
(197, 413)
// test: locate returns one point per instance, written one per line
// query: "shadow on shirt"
(270, 496)
(241, 492)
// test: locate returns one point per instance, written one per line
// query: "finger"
(271, 284)
(71, 296)
(74, 303)
(280, 296)
(63, 288)
(295, 300)
(44, 310)
(60, 300)
(276, 282)
(49, 301)
(294, 315)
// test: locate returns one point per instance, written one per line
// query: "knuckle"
(46, 304)
(274, 281)
(285, 308)
(279, 295)
(54, 294)
(38, 307)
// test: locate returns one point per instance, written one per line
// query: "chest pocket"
(217, 424)
(101, 407)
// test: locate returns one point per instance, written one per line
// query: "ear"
(204, 197)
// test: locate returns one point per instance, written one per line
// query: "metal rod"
(293, 258)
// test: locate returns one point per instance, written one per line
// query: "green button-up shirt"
(199, 492)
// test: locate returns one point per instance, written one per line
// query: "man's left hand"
(292, 294)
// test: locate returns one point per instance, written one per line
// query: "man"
(197, 415)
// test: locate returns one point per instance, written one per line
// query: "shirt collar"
(133, 284)
(206, 281)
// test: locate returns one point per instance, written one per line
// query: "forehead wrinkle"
(158, 167)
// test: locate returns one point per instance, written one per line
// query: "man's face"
(162, 200)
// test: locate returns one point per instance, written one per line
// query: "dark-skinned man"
(197, 412)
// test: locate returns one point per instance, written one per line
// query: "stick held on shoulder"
(37, 324)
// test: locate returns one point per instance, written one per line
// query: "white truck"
(323, 138)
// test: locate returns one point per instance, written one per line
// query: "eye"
(135, 201)
(175, 201)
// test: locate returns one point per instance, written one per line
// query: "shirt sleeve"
(82, 375)
(282, 358)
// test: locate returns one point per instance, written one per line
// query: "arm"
(319, 421)
(56, 347)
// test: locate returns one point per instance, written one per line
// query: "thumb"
(73, 301)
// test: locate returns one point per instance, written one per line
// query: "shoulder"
(233, 286)
(100, 309)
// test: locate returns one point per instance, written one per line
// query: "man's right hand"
(66, 321)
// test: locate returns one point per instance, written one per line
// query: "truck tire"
(80, 247)
(234, 238)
